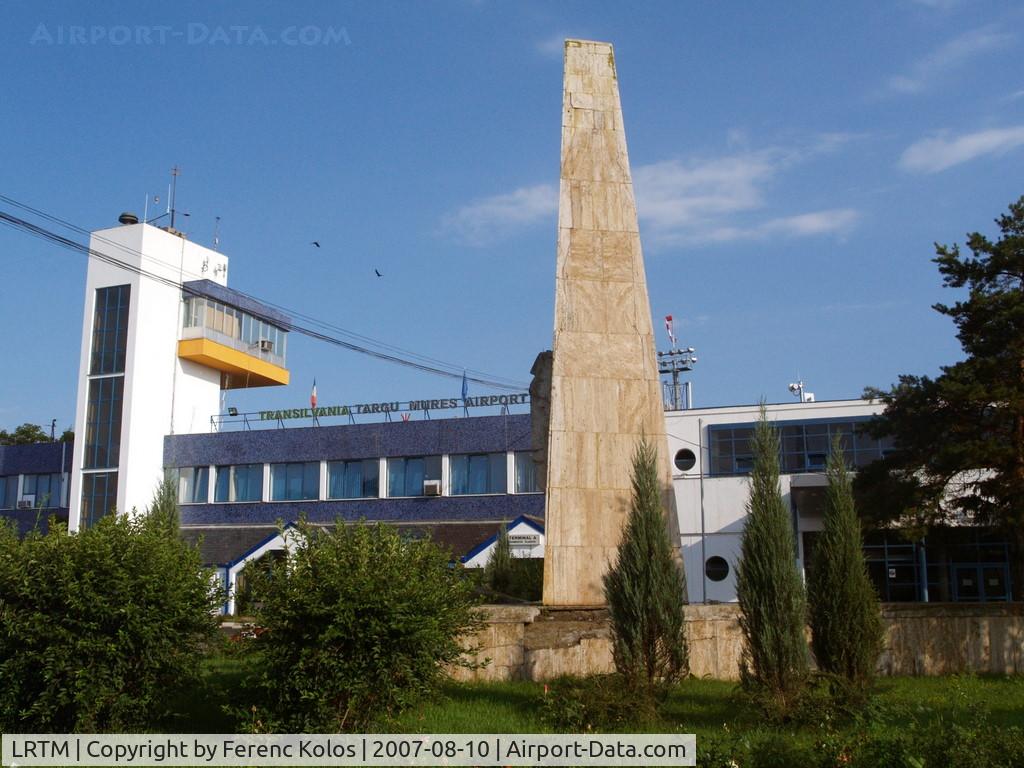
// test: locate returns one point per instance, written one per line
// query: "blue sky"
(794, 164)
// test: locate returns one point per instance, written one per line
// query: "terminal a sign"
(395, 406)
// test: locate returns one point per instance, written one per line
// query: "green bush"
(512, 579)
(99, 629)
(846, 621)
(587, 704)
(359, 624)
(769, 588)
(646, 590)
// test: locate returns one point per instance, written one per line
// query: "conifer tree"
(646, 590)
(768, 585)
(499, 567)
(846, 620)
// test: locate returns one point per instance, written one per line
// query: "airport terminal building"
(156, 355)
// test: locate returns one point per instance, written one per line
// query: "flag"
(312, 396)
(465, 387)
(668, 327)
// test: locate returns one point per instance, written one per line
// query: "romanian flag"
(312, 396)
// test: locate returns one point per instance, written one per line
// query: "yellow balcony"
(239, 369)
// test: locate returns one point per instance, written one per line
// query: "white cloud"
(939, 153)
(929, 69)
(698, 200)
(554, 46)
(487, 219)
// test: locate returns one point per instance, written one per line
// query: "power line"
(395, 355)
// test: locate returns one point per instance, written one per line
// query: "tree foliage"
(26, 434)
(845, 616)
(98, 628)
(360, 623)
(768, 585)
(646, 589)
(498, 571)
(960, 436)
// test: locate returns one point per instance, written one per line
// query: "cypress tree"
(646, 590)
(846, 620)
(768, 584)
(499, 567)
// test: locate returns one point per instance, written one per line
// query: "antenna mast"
(674, 362)
(175, 171)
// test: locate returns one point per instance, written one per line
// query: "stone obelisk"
(605, 391)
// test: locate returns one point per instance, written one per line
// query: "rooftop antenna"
(799, 391)
(175, 172)
(674, 362)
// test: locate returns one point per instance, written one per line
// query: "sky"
(794, 166)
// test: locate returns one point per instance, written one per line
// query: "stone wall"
(535, 643)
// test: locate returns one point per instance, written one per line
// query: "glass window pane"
(499, 470)
(479, 468)
(414, 477)
(353, 479)
(222, 486)
(371, 470)
(396, 477)
(336, 480)
(278, 482)
(459, 469)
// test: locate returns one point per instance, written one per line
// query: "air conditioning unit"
(266, 345)
(26, 502)
(431, 487)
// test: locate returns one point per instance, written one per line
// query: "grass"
(704, 707)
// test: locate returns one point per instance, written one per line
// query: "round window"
(685, 460)
(716, 568)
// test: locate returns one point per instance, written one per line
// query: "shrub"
(846, 621)
(99, 628)
(360, 623)
(768, 585)
(646, 589)
(587, 704)
(499, 568)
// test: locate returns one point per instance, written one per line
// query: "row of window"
(201, 312)
(406, 476)
(803, 447)
(45, 490)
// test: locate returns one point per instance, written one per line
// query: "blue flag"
(465, 387)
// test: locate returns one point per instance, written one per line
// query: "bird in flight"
(316, 243)
(377, 272)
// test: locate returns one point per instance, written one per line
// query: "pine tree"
(499, 567)
(846, 620)
(646, 590)
(768, 585)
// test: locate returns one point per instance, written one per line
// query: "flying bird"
(316, 243)
(377, 272)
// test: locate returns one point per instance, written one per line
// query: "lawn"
(704, 707)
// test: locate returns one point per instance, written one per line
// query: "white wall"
(712, 510)
(157, 384)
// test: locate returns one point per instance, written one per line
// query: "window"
(103, 422)
(194, 484)
(241, 482)
(353, 479)
(803, 447)
(295, 481)
(407, 475)
(478, 473)
(109, 330)
(8, 491)
(99, 495)
(685, 460)
(526, 473)
(716, 568)
(45, 489)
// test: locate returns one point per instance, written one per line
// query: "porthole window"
(685, 459)
(716, 568)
